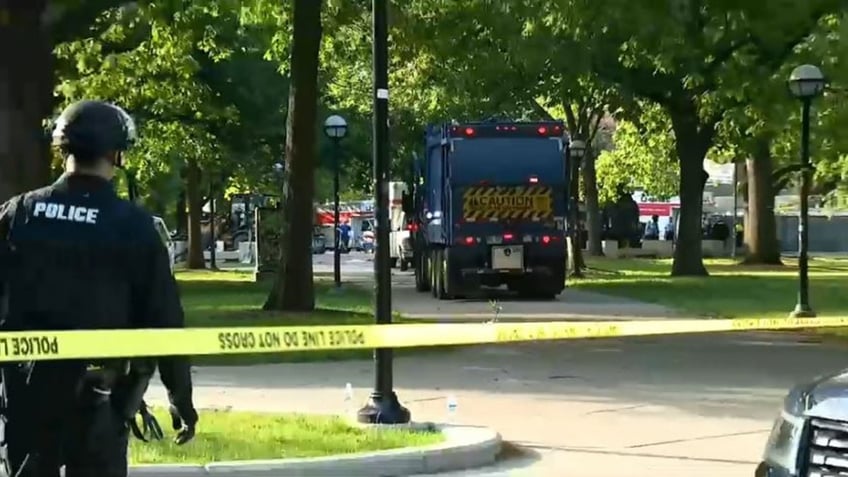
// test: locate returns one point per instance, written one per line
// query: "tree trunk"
(26, 96)
(181, 213)
(195, 211)
(761, 226)
(692, 140)
(593, 208)
(293, 288)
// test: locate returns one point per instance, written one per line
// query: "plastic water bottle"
(348, 399)
(452, 405)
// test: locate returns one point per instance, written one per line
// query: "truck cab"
(490, 202)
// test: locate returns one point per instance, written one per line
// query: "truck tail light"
(469, 240)
(412, 227)
(546, 239)
(508, 236)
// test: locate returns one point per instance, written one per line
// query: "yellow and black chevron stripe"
(491, 204)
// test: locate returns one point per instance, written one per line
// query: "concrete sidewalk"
(658, 406)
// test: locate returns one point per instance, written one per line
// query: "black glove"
(149, 424)
(183, 424)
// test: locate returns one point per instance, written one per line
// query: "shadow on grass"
(731, 290)
(205, 293)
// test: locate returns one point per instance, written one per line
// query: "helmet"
(94, 128)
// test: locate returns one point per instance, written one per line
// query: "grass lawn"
(731, 290)
(232, 298)
(225, 435)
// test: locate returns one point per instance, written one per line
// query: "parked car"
(165, 235)
(810, 437)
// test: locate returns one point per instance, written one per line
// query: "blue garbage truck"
(488, 208)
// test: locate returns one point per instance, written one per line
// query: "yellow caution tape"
(49, 345)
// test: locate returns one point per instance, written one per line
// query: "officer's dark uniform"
(79, 257)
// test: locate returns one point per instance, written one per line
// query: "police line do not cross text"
(264, 340)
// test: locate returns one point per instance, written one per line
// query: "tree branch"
(723, 54)
(71, 20)
(782, 176)
(540, 110)
(571, 119)
(641, 81)
(771, 58)
(598, 115)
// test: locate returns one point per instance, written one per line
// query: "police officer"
(79, 257)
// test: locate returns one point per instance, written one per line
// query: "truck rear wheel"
(441, 271)
(451, 277)
(422, 272)
(404, 265)
(434, 273)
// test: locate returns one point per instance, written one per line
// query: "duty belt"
(100, 378)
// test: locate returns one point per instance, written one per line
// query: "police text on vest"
(71, 213)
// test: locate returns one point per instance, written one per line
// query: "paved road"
(662, 406)
(571, 304)
(354, 265)
(698, 405)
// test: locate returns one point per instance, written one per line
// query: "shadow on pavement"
(637, 454)
(718, 375)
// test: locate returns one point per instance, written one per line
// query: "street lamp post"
(383, 406)
(577, 149)
(335, 127)
(805, 83)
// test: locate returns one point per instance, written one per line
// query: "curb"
(465, 447)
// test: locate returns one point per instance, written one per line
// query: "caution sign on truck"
(490, 204)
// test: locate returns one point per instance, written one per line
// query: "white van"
(162, 229)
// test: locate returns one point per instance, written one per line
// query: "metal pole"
(337, 253)
(383, 407)
(212, 257)
(802, 308)
(735, 208)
